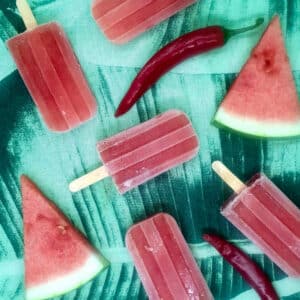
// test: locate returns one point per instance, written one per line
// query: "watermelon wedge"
(263, 99)
(58, 258)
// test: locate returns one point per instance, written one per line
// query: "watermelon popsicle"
(266, 216)
(123, 20)
(164, 261)
(52, 74)
(140, 153)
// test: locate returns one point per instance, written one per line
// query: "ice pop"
(51, 72)
(123, 20)
(140, 153)
(266, 216)
(164, 262)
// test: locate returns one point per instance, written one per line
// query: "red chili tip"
(206, 237)
(211, 238)
(119, 112)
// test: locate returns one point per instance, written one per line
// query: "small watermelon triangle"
(58, 258)
(263, 99)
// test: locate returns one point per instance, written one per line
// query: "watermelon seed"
(62, 228)
(266, 61)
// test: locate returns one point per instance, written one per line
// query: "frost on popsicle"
(141, 153)
(265, 215)
(164, 261)
(123, 20)
(51, 72)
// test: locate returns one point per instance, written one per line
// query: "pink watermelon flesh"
(265, 90)
(53, 247)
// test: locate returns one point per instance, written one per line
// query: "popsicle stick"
(228, 177)
(26, 13)
(88, 179)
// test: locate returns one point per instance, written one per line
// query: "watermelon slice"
(58, 258)
(263, 99)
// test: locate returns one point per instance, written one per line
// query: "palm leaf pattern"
(191, 192)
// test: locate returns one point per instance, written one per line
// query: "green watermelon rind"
(103, 264)
(255, 128)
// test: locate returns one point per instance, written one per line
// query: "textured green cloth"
(191, 192)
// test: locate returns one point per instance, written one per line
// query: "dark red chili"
(244, 265)
(186, 46)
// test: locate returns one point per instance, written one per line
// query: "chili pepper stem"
(229, 33)
(228, 177)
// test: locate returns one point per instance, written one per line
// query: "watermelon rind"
(93, 265)
(256, 128)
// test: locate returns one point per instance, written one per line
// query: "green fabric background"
(191, 192)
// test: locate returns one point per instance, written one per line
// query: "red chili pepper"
(186, 46)
(244, 265)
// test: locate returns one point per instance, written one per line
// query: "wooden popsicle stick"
(88, 179)
(228, 177)
(26, 13)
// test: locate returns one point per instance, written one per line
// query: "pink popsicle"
(268, 218)
(123, 20)
(140, 153)
(52, 74)
(164, 261)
